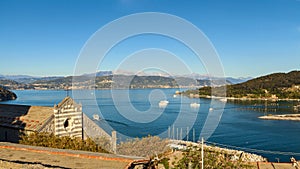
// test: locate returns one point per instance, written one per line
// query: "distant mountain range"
(108, 79)
(26, 79)
(275, 86)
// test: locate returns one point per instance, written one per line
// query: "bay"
(136, 113)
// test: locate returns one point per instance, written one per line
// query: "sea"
(137, 113)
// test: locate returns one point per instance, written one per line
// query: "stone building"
(16, 120)
(68, 118)
(64, 119)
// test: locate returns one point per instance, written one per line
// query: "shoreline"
(262, 99)
(179, 93)
(292, 117)
(240, 99)
(235, 154)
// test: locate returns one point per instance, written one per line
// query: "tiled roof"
(24, 117)
(66, 100)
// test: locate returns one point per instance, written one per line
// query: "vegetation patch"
(277, 86)
(145, 147)
(50, 140)
(6, 94)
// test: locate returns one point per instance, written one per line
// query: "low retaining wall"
(92, 130)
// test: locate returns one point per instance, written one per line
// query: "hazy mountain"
(104, 79)
(204, 77)
(238, 80)
(26, 79)
(15, 77)
(99, 73)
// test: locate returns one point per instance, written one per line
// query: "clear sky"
(252, 37)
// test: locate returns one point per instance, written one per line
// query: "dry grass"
(146, 147)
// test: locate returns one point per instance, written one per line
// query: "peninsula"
(277, 86)
(6, 95)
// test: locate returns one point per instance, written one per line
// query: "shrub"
(65, 142)
(146, 147)
(103, 142)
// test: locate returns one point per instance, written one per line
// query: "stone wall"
(10, 134)
(92, 130)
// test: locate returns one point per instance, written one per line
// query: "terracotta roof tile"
(24, 117)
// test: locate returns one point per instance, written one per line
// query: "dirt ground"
(261, 165)
(28, 157)
(21, 156)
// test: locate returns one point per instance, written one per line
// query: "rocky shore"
(239, 155)
(240, 98)
(234, 154)
(294, 117)
(6, 95)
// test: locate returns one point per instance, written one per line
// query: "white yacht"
(163, 103)
(96, 117)
(194, 105)
(223, 99)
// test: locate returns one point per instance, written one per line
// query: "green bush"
(65, 142)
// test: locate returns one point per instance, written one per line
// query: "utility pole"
(193, 134)
(181, 134)
(173, 133)
(202, 153)
(187, 133)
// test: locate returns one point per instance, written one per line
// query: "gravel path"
(13, 165)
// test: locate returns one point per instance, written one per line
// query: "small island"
(7, 95)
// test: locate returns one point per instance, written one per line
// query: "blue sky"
(252, 37)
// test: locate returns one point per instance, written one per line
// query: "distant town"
(106, 80)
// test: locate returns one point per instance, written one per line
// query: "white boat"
(211, 109)
(163, 103)
(223, 99)
(96, 117)
(195, 105)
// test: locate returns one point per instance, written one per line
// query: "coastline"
(235, 154)
(240, 98)
(177, 93)
(292, 117)
(262, 99)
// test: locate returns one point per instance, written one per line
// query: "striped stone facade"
(68, 118)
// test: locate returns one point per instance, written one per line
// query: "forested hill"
(277, 85)
(6, 94)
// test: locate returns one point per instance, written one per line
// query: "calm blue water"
(136, 113)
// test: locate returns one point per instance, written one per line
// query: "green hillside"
(277, 85)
